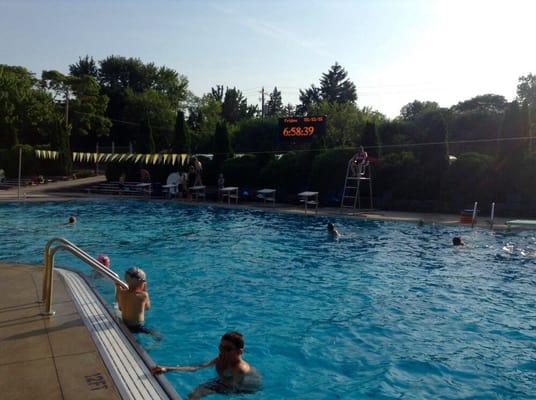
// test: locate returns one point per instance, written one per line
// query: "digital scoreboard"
(299, 129)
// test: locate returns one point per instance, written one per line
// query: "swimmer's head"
(135, 277)
(331, 227)
(104, 260)
(72, 219)
(457, 241)
(231, 347)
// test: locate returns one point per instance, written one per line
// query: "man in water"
(457, 241)
(332, 231)
(234, 374)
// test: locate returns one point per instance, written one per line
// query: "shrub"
(241, 171)
(328, 173)
(468, 179)
(291, 172)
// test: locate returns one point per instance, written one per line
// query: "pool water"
(390, 310)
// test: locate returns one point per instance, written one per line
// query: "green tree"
(335, 87)
(343, 123)
(274, 106)
(27, 112)
(154, 106)
(234, 106)
(83, 104)
(145, 143)
(122, 79)
(488, 103)
(84, 67)
(512, 144)
(526, 93)
(412, 110)
(181, 142)
(203, 115)
(370, 140)
(222, 145)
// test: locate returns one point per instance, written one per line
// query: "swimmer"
(104, 260)
(134, 301)
(332, 231)
(72, 220)
(457, 241)
(234, 374)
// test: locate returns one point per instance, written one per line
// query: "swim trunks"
(139, 328)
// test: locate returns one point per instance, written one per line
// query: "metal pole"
(492, 214)
(97, 162)
(20, 168)
(474, 214)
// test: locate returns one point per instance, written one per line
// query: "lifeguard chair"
(351, 194)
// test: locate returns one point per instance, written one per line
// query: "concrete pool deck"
(83, 351)
(41, 357)
(70, 190)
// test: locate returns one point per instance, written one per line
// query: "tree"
(412, 110)
(489, 103)
(335, 87)
(181, 143)
(84, 67)
(526, 89)
(234, 105)
(203, 115)
(309, 98)
(370, 140)
(526, 93)
(145, 142)
(83, 104)
(122, 79)
(153, 106)
(274, 107)
(60, 141)
(222, 145)
(217, 93)
(27, 112)
(512, 144)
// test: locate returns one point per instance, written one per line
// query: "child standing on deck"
(134, 301)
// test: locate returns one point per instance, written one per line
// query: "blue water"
(391, 310)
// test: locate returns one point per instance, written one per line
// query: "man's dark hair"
(331, 227)
(235, 338)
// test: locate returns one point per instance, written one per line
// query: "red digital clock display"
(301, 128)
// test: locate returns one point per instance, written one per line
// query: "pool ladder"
(50, 253)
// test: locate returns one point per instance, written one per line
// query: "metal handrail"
(47, 254)
(82, 255)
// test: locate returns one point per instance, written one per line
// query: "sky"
(395, 51)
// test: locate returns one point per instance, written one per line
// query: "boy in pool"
(332, 231)
(234, 374)
(134, 301)
(457, 241)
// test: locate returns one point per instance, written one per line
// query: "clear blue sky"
(394, 51)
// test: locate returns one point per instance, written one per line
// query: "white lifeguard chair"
(351, 194)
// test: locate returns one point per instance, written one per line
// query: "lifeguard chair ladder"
(351, 194)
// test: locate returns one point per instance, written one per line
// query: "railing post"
(492, 214)
(50, 285)
(474, 215)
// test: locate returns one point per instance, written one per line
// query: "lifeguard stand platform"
(351, 194)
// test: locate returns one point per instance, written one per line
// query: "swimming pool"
(388, 311)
